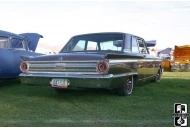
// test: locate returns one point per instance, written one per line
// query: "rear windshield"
(95, 42)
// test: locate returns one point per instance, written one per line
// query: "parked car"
(12, 47)
(99, 60)
(180, 60)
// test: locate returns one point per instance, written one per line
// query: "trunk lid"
(32, 39)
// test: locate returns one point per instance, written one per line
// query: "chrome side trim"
(132, 60)
(147, 78)
(123, 61)
(125, 74)
(158, 60)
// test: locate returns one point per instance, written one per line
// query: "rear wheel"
(127, 88)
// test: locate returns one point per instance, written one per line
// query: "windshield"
(95, 42)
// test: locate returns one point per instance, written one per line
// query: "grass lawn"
(150, 104)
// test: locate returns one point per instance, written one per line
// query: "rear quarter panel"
(7, 64)
(10, 60)
(18, 60)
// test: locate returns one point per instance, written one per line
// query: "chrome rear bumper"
(76, 80)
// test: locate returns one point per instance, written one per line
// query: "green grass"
(150, 104)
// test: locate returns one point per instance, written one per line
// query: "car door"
(140, 62)
(6, 59)
(145, 66)
(148, 60)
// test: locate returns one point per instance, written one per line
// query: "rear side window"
(92, 45)
(135, 47)
(138, 45)
(80, 46)
(142, 47)
(112, 45)
(4, 42)
(18, 44)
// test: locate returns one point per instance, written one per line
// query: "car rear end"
(181, 60)
(88, 74)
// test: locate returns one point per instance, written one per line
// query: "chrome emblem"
(60, 65)
(61, 58)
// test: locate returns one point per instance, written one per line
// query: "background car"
(100, 60)
(12, 47)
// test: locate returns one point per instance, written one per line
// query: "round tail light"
(24, 66)
(102, 67)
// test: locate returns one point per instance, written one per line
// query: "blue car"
(12, 47)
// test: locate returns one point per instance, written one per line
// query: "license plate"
(59, 83)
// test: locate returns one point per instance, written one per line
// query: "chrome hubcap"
(158, 76)
(129, 85)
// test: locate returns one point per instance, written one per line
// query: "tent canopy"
(165, 51)
(151, 43)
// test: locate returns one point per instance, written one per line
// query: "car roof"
(103, 33)
(9, 34)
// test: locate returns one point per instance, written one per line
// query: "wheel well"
(135, 77)
(160, 67)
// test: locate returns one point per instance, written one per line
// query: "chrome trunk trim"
(62, 66)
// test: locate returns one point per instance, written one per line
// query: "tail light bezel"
(105, 63)
(21, 66)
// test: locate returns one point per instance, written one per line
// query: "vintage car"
(181, 58)
(12, 47)
(165, 62)
(177, 59)
(166, 57)
(98, 60)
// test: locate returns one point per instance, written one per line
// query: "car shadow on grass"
(14, 87)
(87, 91)
(9, 82)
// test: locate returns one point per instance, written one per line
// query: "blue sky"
(167, 22)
